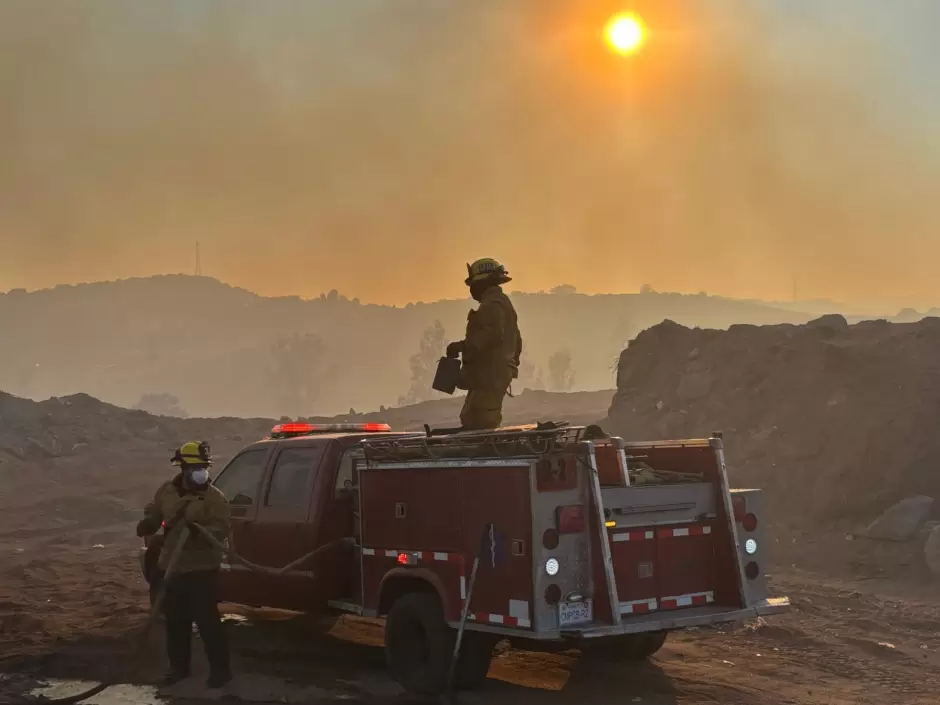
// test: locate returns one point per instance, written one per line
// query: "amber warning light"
(289, 430)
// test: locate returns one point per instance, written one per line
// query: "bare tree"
(296, 372)
(560, 371)
(622, 332)
(424, 364)
(530, 377)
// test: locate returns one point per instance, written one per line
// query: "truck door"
(240, 482)
(338, 569)
(279, 534)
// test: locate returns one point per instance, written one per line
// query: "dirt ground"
(840, 644)
(864, 626)
(72, 608)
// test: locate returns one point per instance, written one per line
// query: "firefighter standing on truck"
(491, 348)
(191, 589)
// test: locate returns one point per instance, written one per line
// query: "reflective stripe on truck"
(518, 609)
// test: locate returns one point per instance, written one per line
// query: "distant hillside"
(226, 351)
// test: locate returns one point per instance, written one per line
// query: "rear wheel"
(627, 647)
(476, 654)
(419, 645)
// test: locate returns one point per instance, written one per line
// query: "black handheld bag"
(447, 375)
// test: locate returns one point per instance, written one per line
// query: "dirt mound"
(75, 473)
(77, 462)
(79, 424)
(835, 421)
(33, 431)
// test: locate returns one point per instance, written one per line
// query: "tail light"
(550, 539)
(570, 519)
(747, 521)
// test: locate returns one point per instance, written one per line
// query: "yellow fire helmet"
(487, 268)
(192, 453)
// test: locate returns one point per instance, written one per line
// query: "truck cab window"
(345, 473)
(293, 470)
(241, 478)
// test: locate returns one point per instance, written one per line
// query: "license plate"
(575, 613)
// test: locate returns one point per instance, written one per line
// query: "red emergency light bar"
(289, 430)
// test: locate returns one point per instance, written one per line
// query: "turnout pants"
(191, 597)
(482, 409)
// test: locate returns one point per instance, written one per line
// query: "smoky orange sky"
(375, 146)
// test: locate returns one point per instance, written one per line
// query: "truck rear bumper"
(652, 622)
(696, 617)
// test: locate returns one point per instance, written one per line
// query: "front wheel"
(627, 647)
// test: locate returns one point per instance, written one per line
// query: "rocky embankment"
(836, 422)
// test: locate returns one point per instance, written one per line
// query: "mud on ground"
(77, 609)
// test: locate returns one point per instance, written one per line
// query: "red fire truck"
(581, 539)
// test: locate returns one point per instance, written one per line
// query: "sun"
(625, 33)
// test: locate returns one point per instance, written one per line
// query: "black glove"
(148, 526)
(455, 349)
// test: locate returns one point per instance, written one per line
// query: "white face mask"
(199, 477)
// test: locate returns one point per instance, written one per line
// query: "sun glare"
(625, 33)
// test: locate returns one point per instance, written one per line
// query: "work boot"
(219, 680)
(174, 677)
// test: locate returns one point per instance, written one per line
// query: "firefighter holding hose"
(191, 588)
(491, 348)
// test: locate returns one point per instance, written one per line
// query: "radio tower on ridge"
(198, 261)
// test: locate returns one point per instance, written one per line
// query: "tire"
(476, 655)
(627, 647)
(418, 643)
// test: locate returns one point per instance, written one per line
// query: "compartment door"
(634, 556)
(686, 566)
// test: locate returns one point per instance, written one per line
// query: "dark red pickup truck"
(593, 542)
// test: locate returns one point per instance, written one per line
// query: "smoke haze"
(373, 146)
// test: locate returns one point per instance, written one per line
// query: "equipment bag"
(447, 375)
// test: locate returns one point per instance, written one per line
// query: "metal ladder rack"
(509, 442)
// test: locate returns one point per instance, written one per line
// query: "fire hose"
(229, 549)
